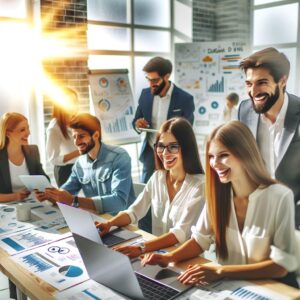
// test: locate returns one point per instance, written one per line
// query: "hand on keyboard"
(156, 259)
(103, 228)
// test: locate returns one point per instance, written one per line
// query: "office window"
(152, 13)
(272, 28)
(108, 38)
(271, 25)
(109, 10)
(152, 41)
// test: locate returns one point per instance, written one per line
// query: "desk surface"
(37, 289)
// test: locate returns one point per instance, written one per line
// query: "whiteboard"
(210, 71)
(113, 104)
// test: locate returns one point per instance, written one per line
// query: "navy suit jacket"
(181, 105)
(32, 158)
(288, 164)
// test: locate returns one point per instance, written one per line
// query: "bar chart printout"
(236, 290)
(57, 263)
(28, 239)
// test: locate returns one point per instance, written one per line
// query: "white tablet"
(38, 182)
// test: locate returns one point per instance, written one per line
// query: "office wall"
(221, 20)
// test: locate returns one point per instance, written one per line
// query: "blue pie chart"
(70, 271)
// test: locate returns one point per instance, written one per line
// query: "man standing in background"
(163, 100)
(273, 117)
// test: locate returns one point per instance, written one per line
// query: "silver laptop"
(114, 270)
(80, 222)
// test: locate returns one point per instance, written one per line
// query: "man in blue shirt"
(102, 171)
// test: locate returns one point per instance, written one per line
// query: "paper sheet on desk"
(58, 263)
(235, 290)
(44, 218)
(88, 290)
(28, 239)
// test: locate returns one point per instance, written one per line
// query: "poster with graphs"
(210, 71)
(114, 105)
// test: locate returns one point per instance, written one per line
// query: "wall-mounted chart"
(114, 105)
(210, 71)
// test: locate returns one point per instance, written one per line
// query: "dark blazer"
(181, 105)
(32, 158)
(288, 165)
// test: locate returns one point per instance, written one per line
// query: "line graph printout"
(114, 105)
(57, 263)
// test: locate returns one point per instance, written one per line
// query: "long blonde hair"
(240, 142)
(8, 122)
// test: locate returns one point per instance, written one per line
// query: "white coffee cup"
(23, 212)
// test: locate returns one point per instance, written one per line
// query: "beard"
(268, 103)
(156, 90)
(88, 147)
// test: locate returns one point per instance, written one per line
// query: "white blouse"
(57, 146)
(177, 216)
(15, 171)
(268, 231)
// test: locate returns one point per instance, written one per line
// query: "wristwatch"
(142, 247)
(75, 202)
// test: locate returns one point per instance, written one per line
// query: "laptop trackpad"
(164, 275)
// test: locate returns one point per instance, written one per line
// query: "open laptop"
(80, 222)
(114, 269)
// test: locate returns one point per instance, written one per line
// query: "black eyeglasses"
(153, 80)
(172, 148)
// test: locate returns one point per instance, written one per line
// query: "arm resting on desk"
(204, 274)
(164, 241)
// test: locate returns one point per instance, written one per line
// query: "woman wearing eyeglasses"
(175, 191)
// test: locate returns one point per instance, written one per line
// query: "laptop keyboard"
(110, 239)
(154, 290)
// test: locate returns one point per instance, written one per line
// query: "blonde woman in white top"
(60, 149)
(175, 191)
(248, 215)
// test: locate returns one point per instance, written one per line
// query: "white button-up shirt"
(268, 231)
(176, 216)
(269, 137)
(160, 109)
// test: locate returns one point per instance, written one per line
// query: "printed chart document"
(88, 290)
(44, 218)
(20, 241)
(235, 290)
(57, 263)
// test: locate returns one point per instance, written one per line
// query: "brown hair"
(239, 141)
(158, 64)
(87, 122)
(271, 59)
(8, 122)
(233, 98)
(184, 134)
(60, 113)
